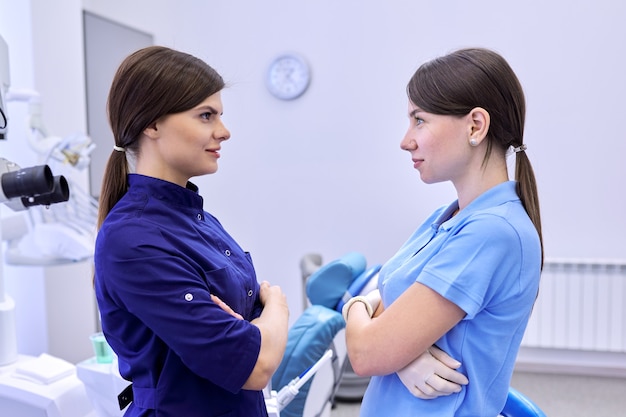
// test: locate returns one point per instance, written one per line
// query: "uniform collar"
(495, 196)
(166, 191)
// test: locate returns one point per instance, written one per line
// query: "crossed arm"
(401, 339)
(425, 370)
(273, 325)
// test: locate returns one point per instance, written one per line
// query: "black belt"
(125, 397)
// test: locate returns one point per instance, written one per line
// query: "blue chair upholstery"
(327, 285)
(518, 405)
(313, 332)
(358, 285)
(308, 339)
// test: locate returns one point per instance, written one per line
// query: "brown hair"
(149, 84)
(476, 77)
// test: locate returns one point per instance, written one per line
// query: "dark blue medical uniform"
(158, 258)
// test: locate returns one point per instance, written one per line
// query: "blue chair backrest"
(313, 332)
(309, 338)
(328, 284)
(518, 405)
(358, 285)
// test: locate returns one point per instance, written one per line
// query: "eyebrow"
(211, 109)
(415, 111)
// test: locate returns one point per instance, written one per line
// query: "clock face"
(288, 77)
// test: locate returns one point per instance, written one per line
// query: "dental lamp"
(33, 186)
(62, 233)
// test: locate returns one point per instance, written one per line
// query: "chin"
(427, 180)
(211, 170)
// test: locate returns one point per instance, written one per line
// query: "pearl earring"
(473, 142)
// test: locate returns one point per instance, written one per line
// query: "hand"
(226, 307)
(432, 375)
(269, 294)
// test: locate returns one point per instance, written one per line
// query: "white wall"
(325, 173)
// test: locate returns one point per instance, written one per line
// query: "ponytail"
(527, 192)
(114, 184)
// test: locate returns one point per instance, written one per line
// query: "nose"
(408, 143)
(222, 133)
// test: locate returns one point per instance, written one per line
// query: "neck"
(467, 191)
(481, 176)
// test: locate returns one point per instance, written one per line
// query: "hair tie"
(118, 148)
(520, 148)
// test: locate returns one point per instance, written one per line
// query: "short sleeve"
(474, 262)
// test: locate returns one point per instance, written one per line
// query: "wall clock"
(288, 76)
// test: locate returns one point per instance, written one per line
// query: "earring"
(473, 142)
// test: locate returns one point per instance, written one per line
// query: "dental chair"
(319, 329)
(518, 405)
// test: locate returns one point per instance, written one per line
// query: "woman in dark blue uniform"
(179, 300)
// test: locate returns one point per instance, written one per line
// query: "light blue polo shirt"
(486, 260)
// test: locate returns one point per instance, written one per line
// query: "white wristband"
(357, 299)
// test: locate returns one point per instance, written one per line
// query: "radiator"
(581, 306)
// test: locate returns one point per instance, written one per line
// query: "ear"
(151, 131)
(479, 123)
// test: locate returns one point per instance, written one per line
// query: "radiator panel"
(580, 306)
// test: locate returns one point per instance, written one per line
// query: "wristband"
(357, 299)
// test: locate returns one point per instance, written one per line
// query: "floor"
(556, 395)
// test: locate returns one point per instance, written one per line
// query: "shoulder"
(502, 234)
(121, 234)
(508, 216)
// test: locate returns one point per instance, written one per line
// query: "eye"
(206, 115)
(418, 121)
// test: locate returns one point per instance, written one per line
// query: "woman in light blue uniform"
(467, 278)
(179, 300)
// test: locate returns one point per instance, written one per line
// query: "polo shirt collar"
(495, 196)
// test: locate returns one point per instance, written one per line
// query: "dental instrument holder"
(289, 391)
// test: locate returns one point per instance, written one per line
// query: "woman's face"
(187, 144)
(438, 145)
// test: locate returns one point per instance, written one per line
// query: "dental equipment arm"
(19, 190)
(289, 391)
